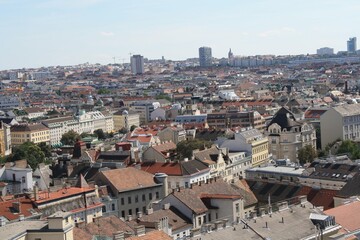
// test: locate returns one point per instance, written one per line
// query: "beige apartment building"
(341, 122)
(287, 135)
(36, 133)
(125, 119)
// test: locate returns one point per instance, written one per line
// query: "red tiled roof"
(165, 147)
(62, 193)
(346, 215)
(319, 197)
(95, 205)
(219, 196)
(125, 179)
(25, 206)
(171, 169)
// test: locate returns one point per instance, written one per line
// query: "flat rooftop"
(13, 230)
(296, 225)
(279, 169)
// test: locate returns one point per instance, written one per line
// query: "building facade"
(137, 64)
(36, 133)
(287, 135)
(205, 57)
(234, 118)
(351, 45)
(341, 122)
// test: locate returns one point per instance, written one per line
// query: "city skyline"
(68, 32)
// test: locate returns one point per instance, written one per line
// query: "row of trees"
(33, 153)
(307, 154)
(71, 137)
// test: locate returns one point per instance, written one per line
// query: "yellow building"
(125, 119)
(36, 133)
(260, 151)
(250, 141)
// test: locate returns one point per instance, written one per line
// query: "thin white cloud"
(107, 34)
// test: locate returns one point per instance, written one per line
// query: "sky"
(36, 33)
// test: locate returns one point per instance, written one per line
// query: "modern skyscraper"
(205, 57)
(351, 45)
(137, 64)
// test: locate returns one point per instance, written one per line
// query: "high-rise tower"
(351, 45)
(137, 64)
(205, 57)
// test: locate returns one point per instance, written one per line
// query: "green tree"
(307, 154)
(103, 91)
(132, 128)
(185, 148)
(29, 151)
(100, 134)
(164, 96)
(45, 148)
(350, 148)
(70, 138)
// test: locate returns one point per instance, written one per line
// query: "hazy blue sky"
(38, 33)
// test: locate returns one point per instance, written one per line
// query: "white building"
(102, 121)
(341, 122)
(18, 175)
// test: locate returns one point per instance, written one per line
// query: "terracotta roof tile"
(125, 179)
(344, 215)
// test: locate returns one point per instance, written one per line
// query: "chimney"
(129, 218)
(17, 207)
(149, 211)
(119, 235)
(140, 230)
(36, 193)
(166, 206)
(21, 217)
(139, 214)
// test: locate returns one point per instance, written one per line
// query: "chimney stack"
(36, 193)
(140, 230)
(119, 235)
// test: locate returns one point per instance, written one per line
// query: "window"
(150, 196)
(113, 207)
(67, 220)
(136, 210)
(129, 200)
(157, 195)
(144, 209)
(23, 179)
(143, 198)
(130, 211)
(123, 214)
(122, 201)
(104, 208)
(199, 220)
(237, 207)
(136, 198)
